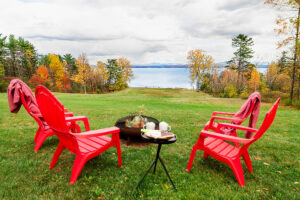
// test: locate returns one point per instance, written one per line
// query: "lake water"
(164, 77)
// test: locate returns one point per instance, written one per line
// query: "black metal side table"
(160, 142)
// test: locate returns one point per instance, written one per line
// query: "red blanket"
(14, 90)
(251, 105)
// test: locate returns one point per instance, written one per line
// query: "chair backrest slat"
(269, 118)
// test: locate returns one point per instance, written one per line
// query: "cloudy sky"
(144, 31)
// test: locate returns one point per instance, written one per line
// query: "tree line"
(241, 77)
(19, 58)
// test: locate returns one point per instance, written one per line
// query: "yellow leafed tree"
(272, 74)
(57, 70)
(254, 80)
(200, 64)
(126, 68)
(83, 71)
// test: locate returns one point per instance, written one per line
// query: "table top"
(159, 141)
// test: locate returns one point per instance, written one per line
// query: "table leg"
(167, 172)
(145, 175)
(157, 156)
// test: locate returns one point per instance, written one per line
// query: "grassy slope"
(25, 174)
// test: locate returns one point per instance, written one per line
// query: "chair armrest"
(222, 113)
(226, 118)
(99, 132)
(84, 119)
(69, 114)
(224, 137)
(243, 128)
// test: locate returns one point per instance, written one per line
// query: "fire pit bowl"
(131, 131)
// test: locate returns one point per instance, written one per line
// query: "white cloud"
(144, 31)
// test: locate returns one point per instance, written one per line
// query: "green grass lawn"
(24, 174)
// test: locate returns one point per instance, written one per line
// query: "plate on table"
(157, 134)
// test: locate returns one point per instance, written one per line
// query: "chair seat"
(90, 144)
(220, 147)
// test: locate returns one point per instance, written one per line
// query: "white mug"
(163, 126)
(150, 126)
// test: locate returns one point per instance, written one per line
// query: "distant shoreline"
(178, 66)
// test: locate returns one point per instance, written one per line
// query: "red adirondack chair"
(85, 145)
(217, 146)
(20, 94)
(212, 125)
(44, 131)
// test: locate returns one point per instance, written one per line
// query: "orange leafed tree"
(43, 72)
(41, 76)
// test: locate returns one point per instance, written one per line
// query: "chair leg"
(191, 158)
(37, 134)
(118, 146)
(40, 140)
(247, 160)
(237, 169)
(235, 135)
(77, 167)
(56, 155)
(78, 130)
(205, 155)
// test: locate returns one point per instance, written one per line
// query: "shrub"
(271, 96)
(3, 85)
(230, 91)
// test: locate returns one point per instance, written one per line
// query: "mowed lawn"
(24, 174)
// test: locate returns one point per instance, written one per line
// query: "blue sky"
(148, 31)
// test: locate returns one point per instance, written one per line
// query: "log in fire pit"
(130, 126)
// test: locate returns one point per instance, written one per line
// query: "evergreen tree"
(240, 61)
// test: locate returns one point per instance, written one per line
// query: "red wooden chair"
(44, 131)
(217, 146)
(85, 145)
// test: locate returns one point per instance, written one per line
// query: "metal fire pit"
(130, 131)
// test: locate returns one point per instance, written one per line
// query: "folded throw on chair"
(254, 101)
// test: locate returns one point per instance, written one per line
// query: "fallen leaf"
(257, 158)
(296, 182)
(267, 164)
(21, 133)
(166, 186)
(265, 189)
(100, 197)
(279, 172)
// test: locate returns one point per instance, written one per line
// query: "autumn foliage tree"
(288, 26)
(199, 65)
(83, 71)
(126, 69)
(41, 76)
(254, 80)
(57, 71)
